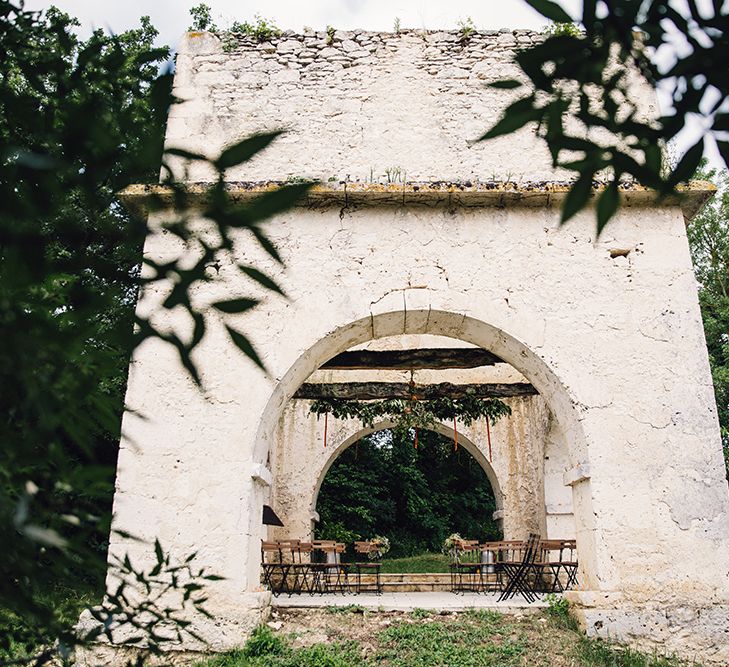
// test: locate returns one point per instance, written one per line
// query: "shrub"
(263, 642)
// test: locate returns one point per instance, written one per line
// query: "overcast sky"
(172, 19)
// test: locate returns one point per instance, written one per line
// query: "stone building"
(420, 236)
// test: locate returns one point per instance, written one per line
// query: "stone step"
(428, 577)
(407, 582)
(415, 587)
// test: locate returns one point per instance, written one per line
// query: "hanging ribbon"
(488, 436)
(326, 423)
(455, 435)
(416, 437)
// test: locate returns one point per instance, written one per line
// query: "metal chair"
(274, 571)
(369, 567)
(332, 575)
(522, 576)
(466, 571)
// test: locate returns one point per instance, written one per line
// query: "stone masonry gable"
(413, 103)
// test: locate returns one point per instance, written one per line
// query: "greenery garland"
(414, 413)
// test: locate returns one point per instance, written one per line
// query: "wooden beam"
(366, 391)
(395, 360)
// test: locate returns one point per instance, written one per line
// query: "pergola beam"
(367, 391)
(396, 360)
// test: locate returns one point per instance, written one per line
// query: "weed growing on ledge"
(558, 610)
(568, 29)
(394, 175)
(330, 35)
(466, 28)
(261, 29)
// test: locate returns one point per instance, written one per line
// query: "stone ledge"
(579, 473)
(141, 198)
(261, 474)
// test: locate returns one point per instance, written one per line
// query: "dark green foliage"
(586, 72)
(708, 235)
(382, 485)
(80, 120)
(413, 414)
(263, 642)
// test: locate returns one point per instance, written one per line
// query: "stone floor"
(441, 601)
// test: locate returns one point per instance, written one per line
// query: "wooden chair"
(331, 572)
(556, 565)
(466, 571)
(501, 553)
(305, 575)
(491, 552)
(274, 570)
(569, 563)
(368, 567)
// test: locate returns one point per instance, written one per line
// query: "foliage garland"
(414, 413)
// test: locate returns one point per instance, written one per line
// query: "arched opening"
(382, 485)
(563, 418)
(465, 443)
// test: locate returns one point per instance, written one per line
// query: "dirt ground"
(547, 645)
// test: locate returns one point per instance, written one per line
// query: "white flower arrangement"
(383, 546)
(450, 546)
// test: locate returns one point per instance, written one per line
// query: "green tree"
(77, 121)
(80, 120)
(586, 74)
(708, 236)
(382, 485)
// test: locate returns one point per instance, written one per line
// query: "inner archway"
(563, 427)
(382, 485)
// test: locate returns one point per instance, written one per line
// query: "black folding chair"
(522, 576)
(331, 574)
(557, 565)
(467, 568)
(369, 568)
(569, 563)
(274, 571)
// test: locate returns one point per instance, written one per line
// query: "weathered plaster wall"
(363, 104)
(614, 345)
(598, 337)
(300, 461)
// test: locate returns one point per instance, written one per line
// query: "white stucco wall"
(614, 345)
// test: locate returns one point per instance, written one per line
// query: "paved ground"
(407, 601)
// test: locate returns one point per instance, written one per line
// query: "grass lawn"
(21, 639)
(352, 637)
(427, 562)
